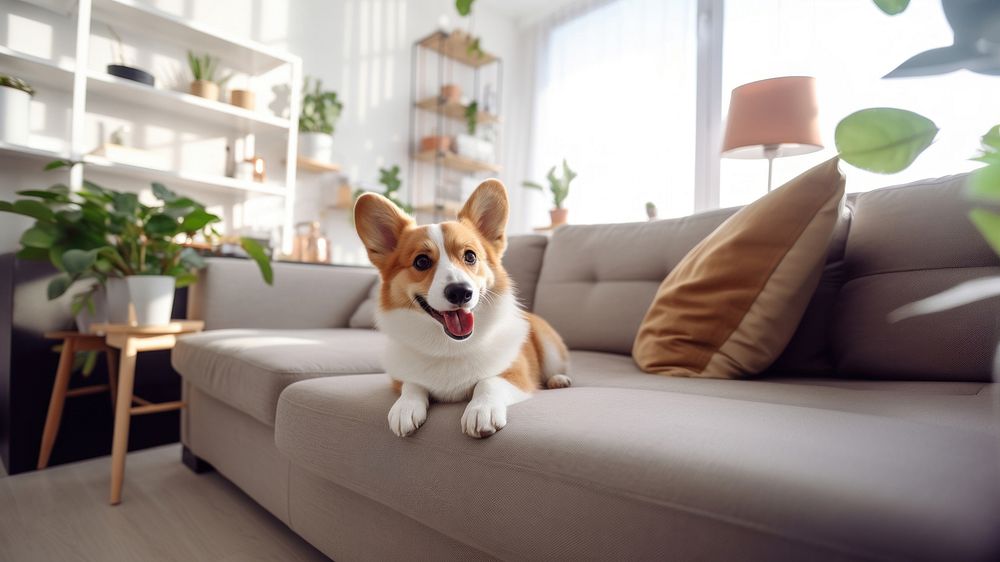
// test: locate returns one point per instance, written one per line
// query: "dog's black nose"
(458, 293)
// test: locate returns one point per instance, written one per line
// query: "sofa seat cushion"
(963, 405)
(624, 473)
(248, 369)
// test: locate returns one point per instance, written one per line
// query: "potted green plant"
(389, 179)
(559, 187)
(121, 68)
(208, 80)
(15, 109)
(111, 238)
(317, 120)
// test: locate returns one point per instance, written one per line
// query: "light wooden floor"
(168, 513)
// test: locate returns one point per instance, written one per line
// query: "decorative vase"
(205, 89)
(119, 302)
(133, 74)
(15, 109)
(243, 98)
(558, 216)
(316, 146)
(86, 318)
(435, 143)
(153, 298)
(451, 93)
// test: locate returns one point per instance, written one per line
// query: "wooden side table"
(132, 340)
(72, 343)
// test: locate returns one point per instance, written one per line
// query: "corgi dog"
(455, 330)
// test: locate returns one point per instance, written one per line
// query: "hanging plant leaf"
(464, 7)
(883, 140)
(892, 7)
(257, 254)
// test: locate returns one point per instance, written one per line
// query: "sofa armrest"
(231, 294)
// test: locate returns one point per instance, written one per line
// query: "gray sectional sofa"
(865, 440)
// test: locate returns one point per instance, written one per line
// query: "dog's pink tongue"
(459, 322)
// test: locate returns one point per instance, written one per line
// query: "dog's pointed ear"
(379, 223)
(487, 209)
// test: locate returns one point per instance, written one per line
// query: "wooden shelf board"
(455, 46)
(310, 165)
(450, 208)
(454, 110)
(36, 71)
(456, 162)
(179, 103)
(174, 179)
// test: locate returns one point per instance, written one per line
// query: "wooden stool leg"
(56, 402)
(123, 405)
(112, 359)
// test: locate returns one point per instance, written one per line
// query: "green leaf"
(47, 195)
(38, 237)
(464, 7)
(58, 286)
(126, 203)
(162, 193)
(185, 279)
(984, 183)
(59, 164)
(33, 209)
(33, 254)
(533, 185)
(89, 363)
(257, 254)
(161, 226)
(883, 140)
(77, 262)
(192, 259)
(892, 7)
(988, 224)
(197, 220)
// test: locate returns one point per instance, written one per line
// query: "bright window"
(616, 98)
(848, 45)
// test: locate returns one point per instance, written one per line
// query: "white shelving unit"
(82, 83)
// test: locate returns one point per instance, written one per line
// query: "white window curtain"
(615, 97)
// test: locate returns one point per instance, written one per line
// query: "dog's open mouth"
(456, 323)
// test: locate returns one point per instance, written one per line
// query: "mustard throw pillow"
(732, 304)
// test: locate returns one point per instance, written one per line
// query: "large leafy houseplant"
(97, 234)
(320, 108)
(888, 140)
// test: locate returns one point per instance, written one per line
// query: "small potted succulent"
(139, 252)
(559, 187)
(121, 68)
(208, 80)
(317, 120)
(15, 109)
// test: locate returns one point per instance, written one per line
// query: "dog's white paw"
(483, 418)
(406, 415)
(558, 381)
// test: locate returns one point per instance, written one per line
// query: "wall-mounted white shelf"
(36, 70)
(30, 152)
(180, 180)
(106, 86)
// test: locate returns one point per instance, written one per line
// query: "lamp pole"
(770, 152)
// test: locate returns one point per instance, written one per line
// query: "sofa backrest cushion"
(907, 243)
(597, 281)
(522, 260)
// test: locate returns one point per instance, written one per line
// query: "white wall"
(360, 48)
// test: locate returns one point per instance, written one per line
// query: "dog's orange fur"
(480, 228)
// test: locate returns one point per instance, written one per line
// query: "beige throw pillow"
(731, 305)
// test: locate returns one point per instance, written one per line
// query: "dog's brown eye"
(470, 257)
(422, 262)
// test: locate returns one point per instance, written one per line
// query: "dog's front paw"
(482, 419)
(406, 415)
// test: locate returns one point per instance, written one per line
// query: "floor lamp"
(771, 119)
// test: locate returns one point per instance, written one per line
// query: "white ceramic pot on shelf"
(118, 301)
(99, 315)
(316, 146)
(15, 110)
(153, 298)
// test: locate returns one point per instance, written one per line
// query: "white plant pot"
(153, 297)
(99, 316)
(15, 111)
(316, 146)
(119, 302)
(475, 148)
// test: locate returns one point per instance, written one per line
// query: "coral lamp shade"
(773, 118)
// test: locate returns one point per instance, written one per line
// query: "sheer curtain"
(615, 96)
